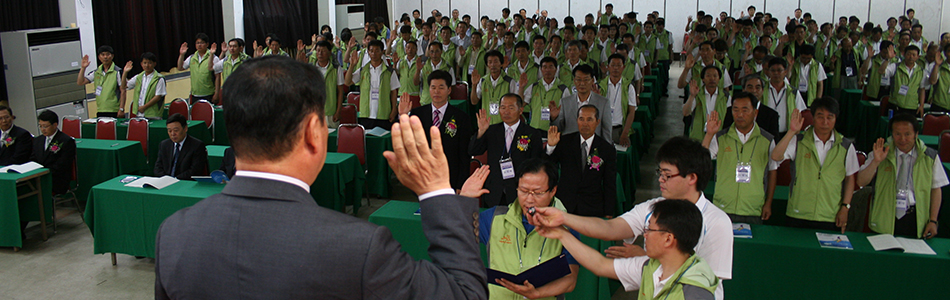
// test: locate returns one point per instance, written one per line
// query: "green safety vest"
(605, 19)
(229, 66)
(630, 69)
(738, 49)
(540, 98)
(108, 98)
(664, 39)
(697, 71)
(790, 100)
(330, 81)
(407, 70)
(492, 94)
(820, 53)
(467, 60)
(427, 69)
(839, 71)
(699, 113)
(566, 73)
(448, 56)
(625, 83)
(940, 92)
(267, 51)
(812, 91)
(531, 71)
(694, 271)
(202, 79)
(510, 243)
(744, 199)
(815, 191)
(385, 107)
(883, 214)
(400, 47)
(154, 111)
(902, 78)
(874, 78)
(647, 44)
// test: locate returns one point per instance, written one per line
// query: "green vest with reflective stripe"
(694, 272)
(696, 130)
(874, 78)
(902, 78)
(427, 69)
(230, 66)
(202, 79)
(385, 107)
(940, 92)
(625, 83)
(540, 99)
(812, 80)
(815, 191)
(883, 208)
(108, 98)
(492, 94)
(509, 240)
(407, 70)
(154, 111)
(744, 199)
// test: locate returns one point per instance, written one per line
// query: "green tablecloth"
(101, 160)
(377, 177)
(848, 120)
(628, 171)
(931, 141)
(865, 123)
(220, 130)
(215, 156)
(788, 263)
(157, 132)
(125, 219)
(13, 211)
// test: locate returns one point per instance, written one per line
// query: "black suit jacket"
(265, 239)
(493, 141)
(60, 163)
(192, 160)
(19, 152)
(455, 145)
(584, 190)
(767, 119)
(227, 163)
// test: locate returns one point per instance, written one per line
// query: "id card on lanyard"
(507, 168)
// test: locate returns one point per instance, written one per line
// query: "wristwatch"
(121, 109)
(935, 222)
(846, 205)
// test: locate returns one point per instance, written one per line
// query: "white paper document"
(887, 242)
(24, 168)
(153, 182)
(378, 131)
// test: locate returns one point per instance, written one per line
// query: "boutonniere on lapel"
(55, 147)
(451, 128)
(8, 141)
(595, 161)
(523, 143)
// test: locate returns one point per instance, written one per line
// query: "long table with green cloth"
(377, 177)
(220, 130)
(157, 132)
(101, 160)
(406, 228)
(339, 184)
(13, 211)
(931, 141)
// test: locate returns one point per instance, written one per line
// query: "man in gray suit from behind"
(565, 117)
(264, 237)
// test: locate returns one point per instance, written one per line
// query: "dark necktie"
(584, 152)
(175, 162)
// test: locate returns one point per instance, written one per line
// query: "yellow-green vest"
(385, 106)
(696, 130)
(694, 272)
(815, 191)
(903, 77)
(883, 208)
(154, 111)
(202, 79)
(108, 98)
(744, 199)
(509, 239)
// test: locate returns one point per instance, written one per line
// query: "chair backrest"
(935, 123)
(179, 106)
(354, 99)
(884, 105)
(203, 111)
(482, 158)
(351, 138)
(473, 166)
(416, 101)
(459, 91)
(944, 146)
(808, 118)
(138, 131)
(348, 114)
(646, 70)
(784, 173)
(862, 157)
(105, 129)
(72, 126)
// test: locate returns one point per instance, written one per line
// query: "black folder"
(539, 275)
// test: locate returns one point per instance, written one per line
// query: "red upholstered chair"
(354, 99)
(351, 138)
(416, 101)
(72, 126)
(348, 114)
(138, 131)
(179, 106)
(784, 173)
(935, 122)
(459, 91)
(944, 146)
(884, 103)
(482, 158)
(808, 118)
(204, 111)
(473, 166)
(105, 129)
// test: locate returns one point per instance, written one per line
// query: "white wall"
(233, 15)
(80, 12)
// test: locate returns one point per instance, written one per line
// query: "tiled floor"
(64, 267)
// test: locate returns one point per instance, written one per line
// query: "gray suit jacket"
(566, 121)
(265, 239)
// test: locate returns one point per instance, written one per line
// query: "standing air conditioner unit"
(349, 16)
(41, 66)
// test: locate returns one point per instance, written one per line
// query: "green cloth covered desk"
(931, 141)
(157, 132)
(126, 219)
(215, 156)
(787, 263)
(220, 130)
(628, 171)
(101, 160)
(14, 210)
(377, 179)
(866, 130)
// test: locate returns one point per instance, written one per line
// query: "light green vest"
(940, 92)
(531, 71)
(648, 46)
(694, 272)
(790, 100)
(427, 69)
(448, 56)
(108, 98)
(874, 78)
(492, 94)
(202, 79)
(509, 241)
(883, 208)
(467, 62)
(385, 107)
(699, 113)
(566, 73)
(400, 47)
(154, 111)
(407, 70)
(230, 66)
(816, 188)
(744, 199)
(664, 39)
(812, 92)
(738, 48)
(839, 70)
(330, 81)
(267, 51)
(625, 83)
(540, 99)
(902, 78)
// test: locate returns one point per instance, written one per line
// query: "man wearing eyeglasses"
(685, 167)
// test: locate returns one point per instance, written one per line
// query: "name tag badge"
(803, 87)
(374, 96)
(903, 197)
(470, 69)
(659, 46)
(743, 173)
(507, 169)
(848, 71)
(545, 114)
(98, 90)
(903, 90)
(885, 81)
(493, 109)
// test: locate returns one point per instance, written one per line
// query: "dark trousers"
(937, 108)
(898, 110)
(107, 114)
(195, 99)
(373, 123)
(799, 223)
(907, 226)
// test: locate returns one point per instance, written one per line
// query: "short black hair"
(623, 59)
(778, 61)
(178, 118)
(689, 156)
(48, 116)
(583, 68)
(496, 54)
(150, 56)
(912, 48)
(827, 103)
(440, 75)
(324, 44)
(204, 37)
(375, 43)
(519, 100)
(548, 59)
(682, 219)
(702, 74)
(405, 29)
(596, 110)
(105, 48)
(904, 117)
(539, 37)
(522, 44)
(239, 41)
(747, 95)
(273, 90)
(540, 166)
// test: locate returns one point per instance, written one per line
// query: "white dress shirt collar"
(274, 177)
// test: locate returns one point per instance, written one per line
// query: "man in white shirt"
(620, 92)
(377, 104)
(779, 94)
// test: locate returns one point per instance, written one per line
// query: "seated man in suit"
(585, 84)
(289, 246)
(227, 162)
(509, 144)
(54, 150)
(181, 155)
(16, 144)
(591, 190)
(453, 123)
